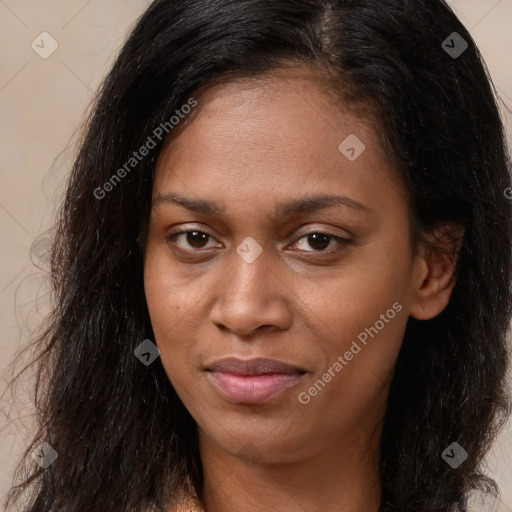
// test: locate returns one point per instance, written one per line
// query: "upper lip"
(256, 366)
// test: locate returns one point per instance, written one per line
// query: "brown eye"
(319, 241)
(196, 239)
(193, 238)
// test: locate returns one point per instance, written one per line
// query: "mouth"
(252, 381)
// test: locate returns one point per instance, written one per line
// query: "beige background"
(42, 102)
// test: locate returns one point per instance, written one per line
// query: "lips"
(256, 366)
(252, 381)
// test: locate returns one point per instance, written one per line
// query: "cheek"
(161, 302)
(363, 288)
(358, 357)
(166, 307)
(363, 318)
(176, 304)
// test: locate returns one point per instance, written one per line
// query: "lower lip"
(252, 389)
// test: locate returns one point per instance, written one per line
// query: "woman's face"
(262, 171)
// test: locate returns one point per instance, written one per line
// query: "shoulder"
(186, 503)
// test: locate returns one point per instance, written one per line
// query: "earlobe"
(436, 271)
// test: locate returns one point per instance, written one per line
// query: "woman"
(282, 268)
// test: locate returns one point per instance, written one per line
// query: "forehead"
(276, 134)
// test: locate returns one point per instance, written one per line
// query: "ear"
(435, 267)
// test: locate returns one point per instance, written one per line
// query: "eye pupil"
(318, 238)
(194, 237)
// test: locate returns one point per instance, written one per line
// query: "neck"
(343, 477)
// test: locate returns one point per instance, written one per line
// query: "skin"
(249, 145)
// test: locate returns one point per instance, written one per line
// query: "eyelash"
(342, 242)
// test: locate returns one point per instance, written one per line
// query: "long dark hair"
(124, 439)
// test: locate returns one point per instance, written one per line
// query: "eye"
(320, 241)
(195, 239)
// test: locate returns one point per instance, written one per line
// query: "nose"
(252, 296)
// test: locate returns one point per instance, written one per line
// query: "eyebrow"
(293, 207)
